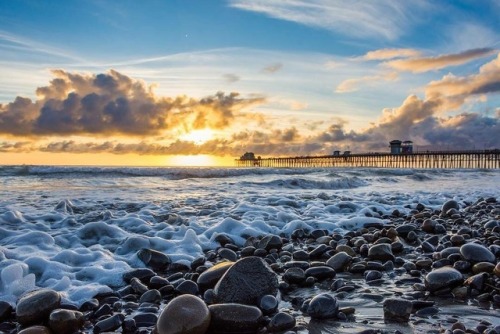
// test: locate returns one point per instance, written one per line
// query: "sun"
(198, 136)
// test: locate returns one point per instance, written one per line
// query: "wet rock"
(381, 252)
(445, 277)
(137, 286)
(152, 296)
(184, 314)
(246, 282)
(281, 322)
(146, 319)
(235, 318)
(477, 253)
(397, 310)
(448, 205)
(187, 288)
(109, 324)
(270, 242)
(339, 261)
(347, 249)
(157, 282)
(323, 306)
(294, 276)
(372, 275)
(268, 304)
(320, 272)
(211, 276)
(143, 274)
(154, 259)
(483, 267)
(65, 321)
(227, 254)
(36, 306)
(5, 310)
(300, 255)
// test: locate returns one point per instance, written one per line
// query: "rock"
(211, 276)
(151, 296)
(226, 253)
(65, 321)
(371, 275)
(323, 306)
(270, 242)
(36, 330)
(137, 286)
(397, 310)
(381, 252)
(154, 259)
(346, 249)
(185, 314)
(294, 276)
(476, 253)
(268, 304)
(451, 204)
(35, 306)
(246, 282)
(281, 322)
(445, 277)
(187, 288)
(483, 267)
(146, 319)
(320, 272)
(5, 310)
(496, 271)
(109, 324)
(339, 261)
(235, 318)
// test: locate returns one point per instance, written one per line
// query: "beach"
(95, 237)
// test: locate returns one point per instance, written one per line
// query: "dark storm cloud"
(113, 103)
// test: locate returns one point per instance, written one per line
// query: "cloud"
(273, 68)
(384, 54)
(229, 77)
(113, 103)
(424, 64)
(380, 19)
(24, 146)
(351, 85)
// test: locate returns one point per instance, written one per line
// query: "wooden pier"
(483, 159)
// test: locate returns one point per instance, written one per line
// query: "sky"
(185, 82)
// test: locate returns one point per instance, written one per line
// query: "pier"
(483, 159)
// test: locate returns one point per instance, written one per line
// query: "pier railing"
(487, 159)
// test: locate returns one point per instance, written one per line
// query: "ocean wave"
(303, 183)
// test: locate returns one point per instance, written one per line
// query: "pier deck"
(486, 159)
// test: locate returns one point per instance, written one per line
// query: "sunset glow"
(167, 83)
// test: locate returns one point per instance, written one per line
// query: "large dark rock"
(185, 314)
(154, 259)
(397, 310)
(246, 282)
(35, 306)
(445, 277)
(211, 276)
(476, 253)
(235, 318)
(65, 321)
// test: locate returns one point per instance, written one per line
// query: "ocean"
(78, 229)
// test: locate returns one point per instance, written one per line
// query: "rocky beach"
(430, 270)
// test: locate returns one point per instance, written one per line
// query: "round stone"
(281, 322)
(109, 324)
(381, 252)
(339, 261)
(268, 304)
(187, 288)
(186, 314)
(150, 296)
(323, 306)
(227, 254)
(448, 205)
(294, 276)
(476, 253)
(445, 277)
(320, 272)
(154, 259)
(35, 306)
(65, 321)
(36, 330)
(235, 318)
(397, 310)
(270, 242)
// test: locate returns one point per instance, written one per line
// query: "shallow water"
(77, 229)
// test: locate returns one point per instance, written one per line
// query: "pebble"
(5, 310)
(381, 252)
(294, 276)
(246, 282)
(397, 310)
(268, 304)
(270, 242)
(35, 306)
(235, 318)
(154, 259)
(339, 261)
(35, 330)
(441, 278)
(65, 321)
(322, 306)
(211, 276)
(185, 314)
(320, 272)
(281, 322)
(187, 288)
(476, 253)
(109, 324)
